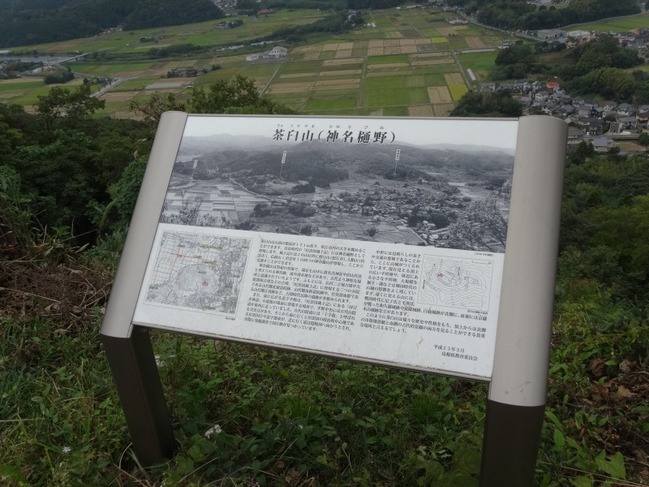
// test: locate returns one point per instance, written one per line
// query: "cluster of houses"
(634, 39)
(188, 72)
(601, 124)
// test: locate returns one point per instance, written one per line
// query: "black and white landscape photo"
(443, 183)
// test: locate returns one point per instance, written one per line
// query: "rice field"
(399, 64)
(619, 24)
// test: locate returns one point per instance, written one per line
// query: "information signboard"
(371, 239)
(427, 244)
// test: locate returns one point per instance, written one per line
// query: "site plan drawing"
(198, 271)
(456, 283)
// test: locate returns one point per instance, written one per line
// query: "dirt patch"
(443, 110)
(183, 81)
(421, 111)
(423, 42)
(311, 56)
(407, 42)
(393, 50)
(446, 31)
(433, 61)
(375, 44)
(68, 294)
(616, 392)
(474, 42)
(339, 62)
(429, 55)
(342, 72)
(372, 67)
(309, 49)
(330, 47)
(21, 80)
(389, 72)
(439, 95)
(453, 79)
(297, 75)
(343, 54)
(116, 96)
(9, 94)
(375, 51)
(391, 43)
(291, 88)
(126, 114)
(346, 45)
(337, 82)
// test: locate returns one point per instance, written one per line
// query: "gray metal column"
(128, 348)
(138, 384)
(517, 393)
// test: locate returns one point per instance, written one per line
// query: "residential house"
(628, 123)
(642, 117)
(602, 144)
(625, 109)
(575, 135)
(591, 126)
(276, 52)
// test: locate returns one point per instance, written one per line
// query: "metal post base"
(510, 446)
(140, 392)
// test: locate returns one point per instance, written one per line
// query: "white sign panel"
(335, 249)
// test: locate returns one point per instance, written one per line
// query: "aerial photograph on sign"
(440, 183)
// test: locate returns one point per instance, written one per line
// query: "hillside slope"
(39, 21)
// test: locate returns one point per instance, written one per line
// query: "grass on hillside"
(245, 415)
(200, 34)
(620, 24)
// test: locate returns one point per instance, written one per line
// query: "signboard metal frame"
(518, 382)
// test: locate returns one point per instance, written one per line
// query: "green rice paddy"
(346, 74)
(620, 24)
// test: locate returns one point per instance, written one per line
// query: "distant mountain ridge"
(331, 160)
(39, 21)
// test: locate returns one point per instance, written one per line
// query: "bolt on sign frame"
(222, 244)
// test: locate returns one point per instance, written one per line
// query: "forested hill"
(38, 21)
(521, 14)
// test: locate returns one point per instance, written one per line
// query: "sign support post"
(128, 347)
(138, 384)
(517, 392)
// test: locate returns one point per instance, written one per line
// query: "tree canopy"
(81, 172)
(487, 104)
(40, 21)
(520, 14)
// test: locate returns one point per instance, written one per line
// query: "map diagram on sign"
(456, 283)
(198, 271)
